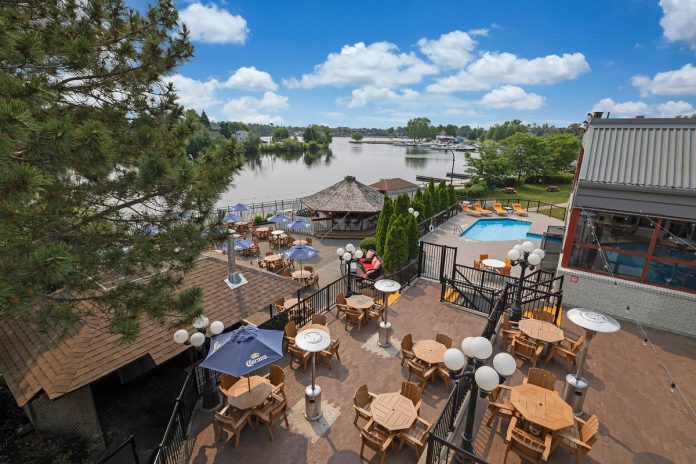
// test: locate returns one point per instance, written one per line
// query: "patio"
(641, 419)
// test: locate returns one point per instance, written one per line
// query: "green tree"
(451, 129)
(383, 223)
(396, 245)
(357, 136)
(199, 140)
(490, 166)
(412, 236)
(419, 128)
(525, 153)
(418, 205)
(401, 204)
(561, 150)
(502, 131)
(93, 156)
(205, 120)
(429, 205)
(318, 134)
(451, 195)
(280, 133)
(418, 195)
(225, 130)
(442, 197)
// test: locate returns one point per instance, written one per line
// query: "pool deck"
(468, 249)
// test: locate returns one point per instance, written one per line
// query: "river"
(281, 176)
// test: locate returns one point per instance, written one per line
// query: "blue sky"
(380, 63)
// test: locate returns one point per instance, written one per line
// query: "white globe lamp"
(340, 251)
(454, 359)
(197, 339)
(359, 254)
(347, 256)
(504, 364)
(527, 246)
(350, 248)
(487, 378)
(513, 255)
(466, 347)
(534, 259)
(181, 336)
(217, 327)
(415, 214)
(518, 247)
(539, 252)
(201, 322)
(410, 211)
(481, 348)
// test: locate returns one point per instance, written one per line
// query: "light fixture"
(181, 336)
(347, 256)
(527, 246)
(415, 214)
(466, 347)
(518, 247)
(350, 248)
(534, 259)
(201, 322)
(359, 254)
(540, 252)
(481, 348)
(340, 251)
(487, 378)
(454, 359)
(217, 327)
(197, 339)
(513, 255)
(411, 210)
(504, 364)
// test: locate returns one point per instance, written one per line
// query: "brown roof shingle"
(349, 195)
(32, 361)
(396, 183)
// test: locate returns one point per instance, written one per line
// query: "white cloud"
(451, 50)
(624, 109)
(255, 110)
(671, 108)
(679, 20)
(478, 32)
(211, 24)
(510, 96)
(192, 93)
(678, 82)
(379, 64)
(494, 68)
(250, 79)
(369, 93)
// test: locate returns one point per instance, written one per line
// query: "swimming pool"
(495, 230)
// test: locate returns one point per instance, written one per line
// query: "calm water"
(277, 177)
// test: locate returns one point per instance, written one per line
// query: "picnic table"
(541, 406)
(541, 330)
(361, 302)
(241, 396)
(393, 411)
(272, 258)
(510, 190)
(429, 351)
(301, 275)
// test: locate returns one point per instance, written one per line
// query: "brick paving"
(642, 420)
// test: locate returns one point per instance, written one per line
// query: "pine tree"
(418, 195)
(383, 223)
(431, 188)
(418, 205)
(401, 204)
(205, 120)
(412, 235)
(394, 247)
(452, 195)
(93, 160)
(443, 198)
(427, 205)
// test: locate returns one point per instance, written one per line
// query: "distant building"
(630, 245)
(395, 187)
(444, 138)
(241, 135)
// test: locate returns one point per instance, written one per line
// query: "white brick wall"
(657, 307)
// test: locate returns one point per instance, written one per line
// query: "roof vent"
(597, 114)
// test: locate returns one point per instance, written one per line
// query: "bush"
(258, 219)
(475, 190)
(368, 243)
(557, 178)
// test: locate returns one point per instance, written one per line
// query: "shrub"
(475, 190)
(258, 219)
(368, 243)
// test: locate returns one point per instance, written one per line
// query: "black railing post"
(420, 258)
(443, 254)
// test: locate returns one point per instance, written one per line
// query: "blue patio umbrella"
(300, 252)
(299, 224)
(238, 245)
(279, 218)
(151, 229)
(241, 207)
(229, 217)
(244, 350)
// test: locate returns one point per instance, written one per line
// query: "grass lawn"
(534, 192)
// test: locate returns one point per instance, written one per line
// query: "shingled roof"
(31, 361)
(349, 195)
(393, 184)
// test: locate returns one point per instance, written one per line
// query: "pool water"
(495, 230)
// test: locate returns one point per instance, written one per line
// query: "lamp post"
(348, 257)
(211, 399)
(526, 257)
(452, 172)
(468, 365)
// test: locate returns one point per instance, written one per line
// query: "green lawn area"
(534, 192)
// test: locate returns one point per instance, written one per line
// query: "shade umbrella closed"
(244, 350)
(300, 252)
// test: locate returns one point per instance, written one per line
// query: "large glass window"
(620, 245)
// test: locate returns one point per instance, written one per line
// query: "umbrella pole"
(249, 382)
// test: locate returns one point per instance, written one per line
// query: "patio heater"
(313, 340)
(526, 257)
(234, 279)
(593, 322)
(468, 365)
(386, 287)
(349, 257)
(211, 399)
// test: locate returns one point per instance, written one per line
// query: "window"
(652, 250)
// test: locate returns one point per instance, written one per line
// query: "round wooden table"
(290, 302)
(494, 264)
(240, 396)
(262, 229)
(273, 258)
(541, 406)
(278, 232)
(299, 242)
(541, 330)
(301, 275)
(393, 411)
(362, 302)
(429, 351)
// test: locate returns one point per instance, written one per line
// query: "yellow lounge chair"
(518, 208)
(478, 208)
(499, 209)
(468, 210)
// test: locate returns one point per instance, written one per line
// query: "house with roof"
(395, 187)
(630, 244)
(52, 376)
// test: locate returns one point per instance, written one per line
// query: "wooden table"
(541, 406)
(299, 242)
(362, 302)
(290, 302)
(541, 330)
(393, 411)
(240, 397)
(262, 229)
(429, 351)
(273, 258)
(301, 275)
(278, 232)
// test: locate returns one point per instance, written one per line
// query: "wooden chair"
(417, 436)
(526, 348)
(567, 353)
(482, 257)
(290, 333)
(580, 440)
(541, 315)
(309, 241)
(361, 401)
(375, 439)
(368, 292)
(407, 348)
(375, 312)
(277, 378)
(413, 393)
(506, 270)
(230, 420)
(262, 264)
(301, 356)
(425, 373)
(287, 273)
(269, 253)
(444, 339)
(313, 281)
(355, 317)
(525, 445)
(280, 305)
(499, 405)
(444, 374)
(226, 381)
(330, 352)
(508, 330)
(341, 304)
(309, 268)
(541, 378)
(319, 319)
(477, 265)
(271, 412)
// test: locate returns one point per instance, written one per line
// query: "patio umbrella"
(244, 350)
(240, 207)
(238, 245)
(299, 224)
(229, 217)
(279, 218)
(300, 252)
(151, 229)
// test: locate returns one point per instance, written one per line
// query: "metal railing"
(532, 206)
(425, 225)
(114, 452)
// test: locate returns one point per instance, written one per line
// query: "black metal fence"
(429, 224)
(436, 261)
(121, 453)
(532, 206)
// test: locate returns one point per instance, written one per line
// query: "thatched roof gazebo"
(346, 209)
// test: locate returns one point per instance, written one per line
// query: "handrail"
(109, 454)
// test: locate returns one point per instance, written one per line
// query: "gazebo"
(347, 209)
